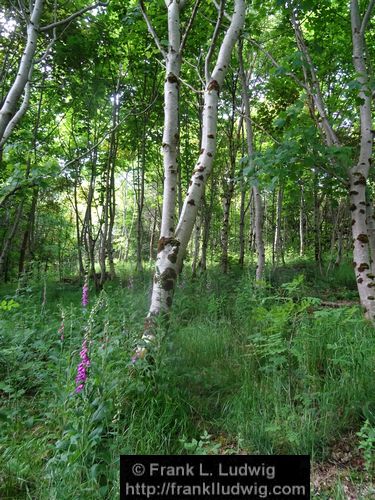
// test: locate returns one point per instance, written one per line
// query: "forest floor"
(241, 369)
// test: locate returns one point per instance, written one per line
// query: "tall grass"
(261, 369)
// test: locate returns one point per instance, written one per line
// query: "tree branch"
(110, 131)
(29, 184)
(22, 110)
(73, 16)
(226, 15)
(367, 16)
(184, 82)
(276, 64)
(151, 29)
(8, 109)
(190, 24)
(213, 42)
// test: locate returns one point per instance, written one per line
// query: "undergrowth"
(241, 368)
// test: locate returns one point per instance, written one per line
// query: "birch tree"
(11, 112)
(9, 108)
(359, 173)
(173, 242)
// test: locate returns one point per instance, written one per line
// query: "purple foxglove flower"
(82, 367)
(85, 295)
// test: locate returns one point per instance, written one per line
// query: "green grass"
(261, 369)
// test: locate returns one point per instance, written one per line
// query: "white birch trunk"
(9, 107)
(371, 234)
(210, 111)
(171, 120)
(172, 244)
(359, 172)
(168, 247)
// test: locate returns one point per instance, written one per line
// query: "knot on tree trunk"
(171, 78)
(163, 242)
(213, 85)
(167, 279)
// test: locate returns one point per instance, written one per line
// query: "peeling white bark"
(371, 234)
(9, 107)
(211, 98)
(9, 115)
(359, 172)
(21, 111)
(171, 120)
(172, 244)
(166, 260)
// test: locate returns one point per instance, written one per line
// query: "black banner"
(215, 477)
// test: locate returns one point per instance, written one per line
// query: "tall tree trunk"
(359, 172)
(228, 181)
(112, 216)
(273, 226)
(259, 233)
(112, 185)
(103, 238)
(171, 123)
(258, 209)
(317, 226)
(241, 235)
(339, 248)
(9, 107)
(88, 229)
(227, 200)
(252, 243)
(26, 234)
(207, 216)
(140, 196)
(197, 240)
(172, 246)
(301, 224)
(124, 229)
(371, 233)
(336, 237)
(9, 238)
(109, 205)
(279, 250)
(152, 236)
(79, 234)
